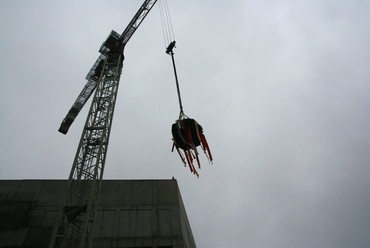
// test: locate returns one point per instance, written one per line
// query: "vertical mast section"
(76, 220)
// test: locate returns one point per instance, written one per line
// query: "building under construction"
(131, 213)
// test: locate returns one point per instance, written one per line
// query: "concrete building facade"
(131, 214)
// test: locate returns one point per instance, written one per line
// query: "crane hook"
(170, 47)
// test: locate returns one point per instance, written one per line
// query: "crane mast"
(75, 223)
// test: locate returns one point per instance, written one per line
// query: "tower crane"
(75, 223)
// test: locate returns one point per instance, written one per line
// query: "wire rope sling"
(187, 134)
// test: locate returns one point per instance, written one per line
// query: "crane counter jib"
(114, 41)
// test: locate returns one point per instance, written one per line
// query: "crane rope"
(167, 29)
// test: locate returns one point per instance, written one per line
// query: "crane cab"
(111, 44)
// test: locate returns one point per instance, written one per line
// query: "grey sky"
(281, 89)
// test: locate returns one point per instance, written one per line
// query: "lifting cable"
(167, 29)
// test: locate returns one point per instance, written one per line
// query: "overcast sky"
(281, 89)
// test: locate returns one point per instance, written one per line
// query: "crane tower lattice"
(75, 224)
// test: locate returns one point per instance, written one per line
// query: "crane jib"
(137, 20)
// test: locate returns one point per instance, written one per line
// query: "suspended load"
(187, 134)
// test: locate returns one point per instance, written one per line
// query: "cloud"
(280, 88)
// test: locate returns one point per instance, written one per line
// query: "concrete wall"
(131, 213)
